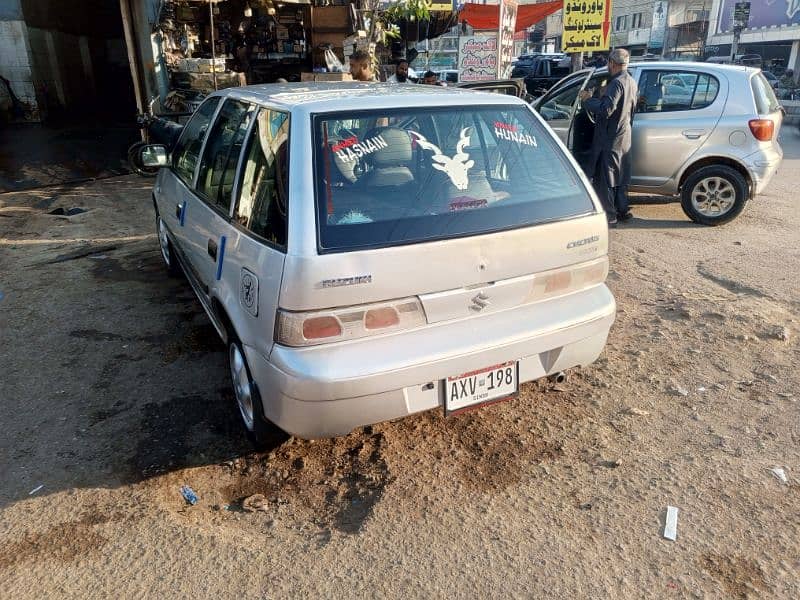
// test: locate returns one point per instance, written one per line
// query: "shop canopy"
(487, 16)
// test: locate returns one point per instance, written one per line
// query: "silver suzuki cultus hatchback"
(369, 251)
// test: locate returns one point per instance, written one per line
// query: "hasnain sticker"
(511, 133)
(248, 292)
(351, 149)
(458, 166)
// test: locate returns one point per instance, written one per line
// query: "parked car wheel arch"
(716, 160)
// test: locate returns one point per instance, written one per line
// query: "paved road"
(114, 394)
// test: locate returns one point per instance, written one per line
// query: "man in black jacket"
(613, 112)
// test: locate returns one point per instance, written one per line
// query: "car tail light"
(762, 129)
(319, 327)
(568, 279)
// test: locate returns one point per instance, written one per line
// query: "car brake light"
(319, 327)
(569, 279)
(762, 129)
(380, 318)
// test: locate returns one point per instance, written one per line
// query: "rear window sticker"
(354, 217)
(467, 202)
(351, 149)
(248, 292)
(511, 133)
(457, 167)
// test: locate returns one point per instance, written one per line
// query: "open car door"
(511, 87)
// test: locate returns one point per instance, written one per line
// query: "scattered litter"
(719, 386)
(781, 333)
(189, 495)
(695, 351)
(34, 490)
(609, 464)
(68, 212)
(255, 502)
(702, 390)
(679, 391)
(737, 243)
(768, 377)
(636, 411)
(671, 523)
(98, 256)
(780, 474)
(786, 395)
(746, 383)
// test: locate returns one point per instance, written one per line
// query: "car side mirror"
(154, 155)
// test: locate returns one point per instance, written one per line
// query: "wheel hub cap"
(713, 196)
(242, 386)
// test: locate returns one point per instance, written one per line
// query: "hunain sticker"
(511, 133)
(351, 149)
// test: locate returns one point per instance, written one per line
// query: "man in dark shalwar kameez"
(613, 114)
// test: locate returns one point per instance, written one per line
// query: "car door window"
(187, 149)
(221, 155)
(560, 105)
(662, 91)
(263, 189)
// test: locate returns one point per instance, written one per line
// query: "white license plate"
(479, 387)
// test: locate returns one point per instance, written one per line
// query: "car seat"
(652, 99)
(390, 165)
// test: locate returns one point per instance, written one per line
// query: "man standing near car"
(400, 73)
(613, 112)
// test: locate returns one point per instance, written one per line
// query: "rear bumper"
(762, 166)
(327, 391)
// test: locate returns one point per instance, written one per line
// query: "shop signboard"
(586, 26)
(763, 13)
(477, 56)
(505, 37)
(659, 26)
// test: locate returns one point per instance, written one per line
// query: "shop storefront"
(198, 46)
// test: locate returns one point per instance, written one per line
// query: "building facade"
(773, 32)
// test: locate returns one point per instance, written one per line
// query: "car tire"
(714, 195)
(167, 251)
(263, 434)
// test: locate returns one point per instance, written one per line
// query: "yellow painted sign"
(587, 25)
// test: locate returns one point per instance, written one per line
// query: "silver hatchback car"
(705, 131)
(369, 251)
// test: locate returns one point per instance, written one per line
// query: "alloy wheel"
(163, 242)
(713, 196)
(242, 386)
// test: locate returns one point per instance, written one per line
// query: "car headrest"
(398, 150)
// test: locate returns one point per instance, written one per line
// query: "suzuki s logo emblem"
(479, 302)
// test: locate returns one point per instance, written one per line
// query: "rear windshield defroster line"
(395, 176)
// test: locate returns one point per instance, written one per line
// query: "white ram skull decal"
(456, 167)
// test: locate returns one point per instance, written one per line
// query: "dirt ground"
(114, 394)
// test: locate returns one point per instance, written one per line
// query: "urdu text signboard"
(505, 37)
(586, 25)
(477, 57)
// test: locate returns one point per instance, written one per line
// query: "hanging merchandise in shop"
(213, 44)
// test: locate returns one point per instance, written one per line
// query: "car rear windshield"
(766, 102)
(397, 176)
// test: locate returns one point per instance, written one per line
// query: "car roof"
(682, 65)
(347, 95)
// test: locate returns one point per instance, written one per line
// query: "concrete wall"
(15, 62)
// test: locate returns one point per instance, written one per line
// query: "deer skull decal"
(456, 167)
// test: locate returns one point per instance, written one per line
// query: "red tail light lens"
(378, 318)
(762, 129)
(321, 327)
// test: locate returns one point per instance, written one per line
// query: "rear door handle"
(694, 134)
(178, 211)
(212, 249)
